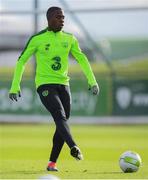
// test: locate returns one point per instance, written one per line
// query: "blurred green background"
(114, 37)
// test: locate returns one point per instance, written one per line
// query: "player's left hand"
(94, 89)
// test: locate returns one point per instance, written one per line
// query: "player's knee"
(59, 114)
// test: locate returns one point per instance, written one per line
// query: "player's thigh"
(51, 101)
(65, 97)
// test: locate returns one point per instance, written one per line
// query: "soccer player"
(51, 47)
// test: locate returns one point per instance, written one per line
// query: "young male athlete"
(51, 48)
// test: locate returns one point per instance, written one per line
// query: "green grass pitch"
(24, 151)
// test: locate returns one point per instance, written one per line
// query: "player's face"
(56, 21)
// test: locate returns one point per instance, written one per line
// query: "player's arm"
(85, 66)
(19, 69)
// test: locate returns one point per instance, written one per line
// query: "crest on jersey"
(65, 44)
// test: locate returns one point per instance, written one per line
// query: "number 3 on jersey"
(57, 65)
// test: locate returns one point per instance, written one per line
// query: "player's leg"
(65, 97)
(50, 99)
(53, 104)
(58, 143)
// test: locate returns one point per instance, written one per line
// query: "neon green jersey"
(51, 51)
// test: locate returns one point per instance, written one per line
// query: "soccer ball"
(130, 162)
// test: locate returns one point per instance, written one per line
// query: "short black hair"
(51, 10)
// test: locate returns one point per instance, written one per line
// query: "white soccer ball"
(130, 162)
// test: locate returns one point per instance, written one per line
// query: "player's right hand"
(14, 96)
(94, 89)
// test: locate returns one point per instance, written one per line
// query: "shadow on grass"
(110, 172)
(22, 172)
(113, 172)
(44, 171)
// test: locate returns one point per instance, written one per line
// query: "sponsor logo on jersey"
(47, 47)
